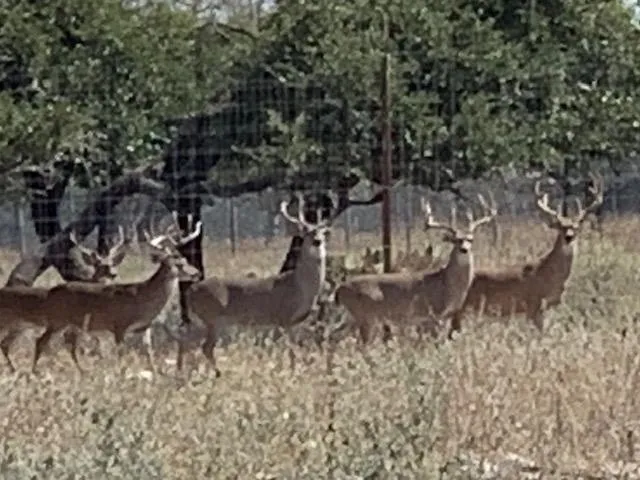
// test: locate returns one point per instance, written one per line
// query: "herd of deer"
(423, 298)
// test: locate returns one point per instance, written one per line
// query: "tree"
(85, 92)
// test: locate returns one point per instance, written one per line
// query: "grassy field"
(566, 400)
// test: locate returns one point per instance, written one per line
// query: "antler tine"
(301, 218)
(173, 227)
(579, 206)
(157, 240)
(72, 237)
(119, 243)
(319, 221)
(78, 245)
(598, 192)
(537, 188)
(542, 201)
(194, 234)
(490, 211)
(597, 182)
(283, 211)
(469, 213)
(430, 223)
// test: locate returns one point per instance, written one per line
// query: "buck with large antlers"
(531, 288)
(410, 297)
(282, 300)
(22, 307)
(118, 308)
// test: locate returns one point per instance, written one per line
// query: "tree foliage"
(291, 97)
(477, 85)
(97, 80)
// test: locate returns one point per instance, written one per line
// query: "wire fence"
(255, 216)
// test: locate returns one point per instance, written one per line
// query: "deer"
(408, 297)
(283, 300)
(21, 307)
(532, 288)
(119, 308)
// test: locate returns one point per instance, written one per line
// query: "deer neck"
(163, 280)
(559, 260)
(459, 268)
(310, 273)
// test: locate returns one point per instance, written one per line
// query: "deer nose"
(465, 246)
(316, 242)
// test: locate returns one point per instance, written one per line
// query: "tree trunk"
(45, 199)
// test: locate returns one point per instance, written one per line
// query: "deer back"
(21, 305)
(283, 299)
(502, 292)
(380, 296)
(270, 300)
(124, 303)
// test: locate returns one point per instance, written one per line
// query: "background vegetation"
(283, 87)
(222, 99)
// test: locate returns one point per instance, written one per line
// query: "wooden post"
(408, 216)
(233, 225)
(385, 160)
(347, 229)
(19, 212)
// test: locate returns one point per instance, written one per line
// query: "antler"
(430, 221)
(597, 190)
(86, 251)
(111, 255)
(542, 201)
(173, 235)
(490, 212)
(301, 222)
(119, 243)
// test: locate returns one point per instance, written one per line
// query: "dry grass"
(566, 400)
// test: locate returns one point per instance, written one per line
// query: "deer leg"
(118, 338)
(41, 345)
(364, 328)
(208, 346)
(456, 324)
(147, 339)
(5, 346)
(181, 351)
(536, 315)
(70, 339)
(431, 326)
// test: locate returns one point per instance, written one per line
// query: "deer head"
(165, 249)
(569, 226)
(314, 236)
(461, 238)
(104, 265)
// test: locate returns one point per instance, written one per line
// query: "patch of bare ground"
(500, 401)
